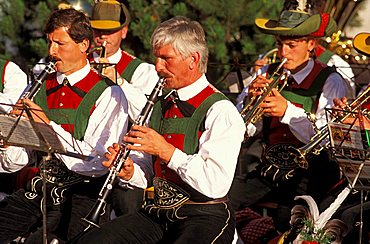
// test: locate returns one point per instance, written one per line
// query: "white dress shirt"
(15, 81)
(211, 169)
(143, 81)
(296, 117)
(107, 124)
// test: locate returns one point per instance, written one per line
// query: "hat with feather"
(361, 42)
(297, 19)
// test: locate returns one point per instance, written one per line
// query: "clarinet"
(35, 85)
(98, 209)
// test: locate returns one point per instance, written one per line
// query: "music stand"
(350, 147)
(18, 131)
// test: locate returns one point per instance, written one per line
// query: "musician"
(311, 88)
(194, 167)
(361, 44)
(87, 112)
(13, 82)
(110, 20)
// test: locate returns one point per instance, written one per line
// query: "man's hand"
(275, 104)
(148, 140)
(37, 113)
(127, 170)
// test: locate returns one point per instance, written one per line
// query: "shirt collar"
(193, 89)
(76, 76)
(302, 74)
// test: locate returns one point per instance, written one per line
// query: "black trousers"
(21, 215)
(212, 223)
(124, 201)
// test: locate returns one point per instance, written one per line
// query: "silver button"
(175, 106)
(163, 171)
(169, 137)
(63, 94)
(284, 135)
(174, 116)
(60, 104)
(162, 163)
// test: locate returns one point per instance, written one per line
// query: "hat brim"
(361, 42)
(309, 26)
(108, 25)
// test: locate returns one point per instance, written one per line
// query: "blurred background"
(234, 41)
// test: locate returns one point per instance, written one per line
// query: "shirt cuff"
(138, 179)
(177, 159)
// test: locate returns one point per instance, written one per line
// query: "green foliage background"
(229, 26)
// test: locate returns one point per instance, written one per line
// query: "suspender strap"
(130, 69)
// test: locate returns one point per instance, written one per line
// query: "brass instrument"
(313, 145)
(93, 216)
(102, 54)
(251, 112)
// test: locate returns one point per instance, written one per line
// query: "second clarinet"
(122, 155)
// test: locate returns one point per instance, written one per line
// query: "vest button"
(284, 135)
(163, 171)
(169, 137)
(63, 94)
(162, 163)
(175, 106)
(60, 104)
(174, 116)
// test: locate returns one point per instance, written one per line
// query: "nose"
(52, 49)
(283, 50)
(159, 65)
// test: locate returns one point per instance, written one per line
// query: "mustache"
(52, 58)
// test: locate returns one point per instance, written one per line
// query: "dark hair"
(77, 24)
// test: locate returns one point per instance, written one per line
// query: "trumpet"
(103, 54)
(313, 146)
(98, 209)
(251, 112)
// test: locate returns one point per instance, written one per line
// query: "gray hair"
(185, 35)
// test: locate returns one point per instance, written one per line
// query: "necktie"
(185, 108)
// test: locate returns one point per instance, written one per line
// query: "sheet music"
(25, 135)
(349, 147)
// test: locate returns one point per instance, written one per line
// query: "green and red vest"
(71, 106)
(305, 95)
(183, 131)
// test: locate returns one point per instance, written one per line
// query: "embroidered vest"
(3, 64)
(183, 132)
(305, 95)
(126, 65)
(67, 108)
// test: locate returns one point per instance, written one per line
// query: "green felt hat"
(298, 23)
(109, 15)
(361, 42)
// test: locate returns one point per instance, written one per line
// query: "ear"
(84, 45)
(194, 60)
(124, 32)
(311, 44)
